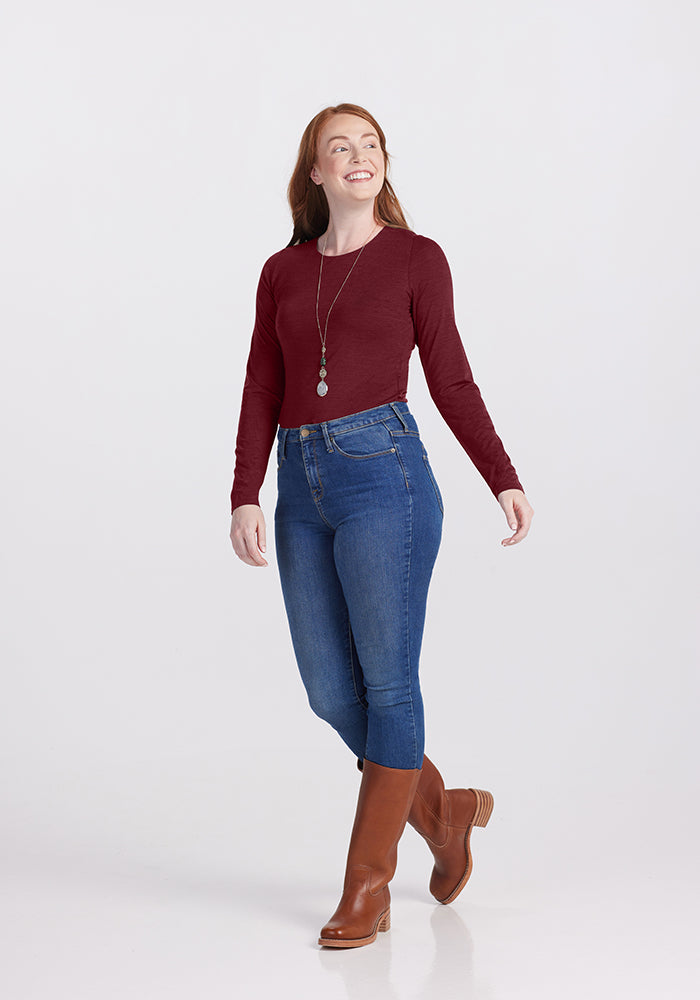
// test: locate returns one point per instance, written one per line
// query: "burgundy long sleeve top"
(399, 295)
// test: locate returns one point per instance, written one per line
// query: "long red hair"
(308, 200)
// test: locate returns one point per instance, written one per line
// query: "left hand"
(518, 513)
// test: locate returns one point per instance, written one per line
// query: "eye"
(339, 147)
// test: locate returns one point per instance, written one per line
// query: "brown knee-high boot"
(383, 804)
(444, 818)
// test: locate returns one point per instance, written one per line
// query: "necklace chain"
(322, 387)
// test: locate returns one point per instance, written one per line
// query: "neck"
(348, 231)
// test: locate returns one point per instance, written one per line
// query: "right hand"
(248, 534)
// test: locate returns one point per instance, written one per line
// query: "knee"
(332, 708)
(394, 698)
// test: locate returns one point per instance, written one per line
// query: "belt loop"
(400, 415)
(283, 440)
(326, 437)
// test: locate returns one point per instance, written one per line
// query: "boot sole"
(484, 808)
(383, 924)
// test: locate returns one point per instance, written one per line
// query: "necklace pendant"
(322, 388)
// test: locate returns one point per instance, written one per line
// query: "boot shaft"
(430, 810)
(384, 802)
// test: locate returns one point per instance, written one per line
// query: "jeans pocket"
(369, 441)
(433, 479)
(280, 454)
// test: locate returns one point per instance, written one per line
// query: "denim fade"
(358, 525)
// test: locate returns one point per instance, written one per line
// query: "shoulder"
(288, 256)
(427, 262)
(419, 253)
(414, 242)
(285, 265)
(424, 254)
(425, 248)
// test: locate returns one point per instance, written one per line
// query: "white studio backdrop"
(149, 685)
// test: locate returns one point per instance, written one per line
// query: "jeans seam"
(407, 596)
(373, 454)
(316, 500)
(432, 480)
(359, 427)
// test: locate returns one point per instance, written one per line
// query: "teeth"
(360, 173)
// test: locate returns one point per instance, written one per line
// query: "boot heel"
(385, 922)
(484, 806)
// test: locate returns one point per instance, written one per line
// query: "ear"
(314, 175)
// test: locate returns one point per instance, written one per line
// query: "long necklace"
(322, 387)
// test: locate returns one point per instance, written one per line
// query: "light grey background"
(174, 817)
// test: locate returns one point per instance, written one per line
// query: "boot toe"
(338, 935)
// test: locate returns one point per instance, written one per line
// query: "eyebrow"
(365, 136)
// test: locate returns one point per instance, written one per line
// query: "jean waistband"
(399, 408)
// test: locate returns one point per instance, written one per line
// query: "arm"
(260, 406)
(451, 384)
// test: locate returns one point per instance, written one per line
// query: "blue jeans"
(358, 524)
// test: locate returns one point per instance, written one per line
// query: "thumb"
(261, 535)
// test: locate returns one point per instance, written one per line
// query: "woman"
(359, 514)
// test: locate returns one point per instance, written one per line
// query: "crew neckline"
(349, 253)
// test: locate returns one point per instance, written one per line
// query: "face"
(348, 150)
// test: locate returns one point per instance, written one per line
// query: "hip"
(373, 457)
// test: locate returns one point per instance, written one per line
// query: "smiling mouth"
(359, 175)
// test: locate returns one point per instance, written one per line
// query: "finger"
(262, 534)
(509, 511)
(522, 531)
(517, 537)
(253, 552)
(240, 547)
(242, 553)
